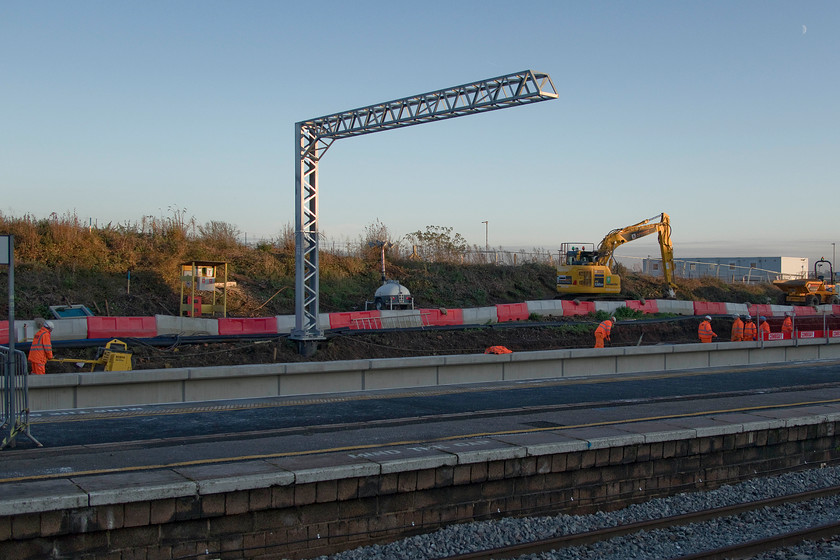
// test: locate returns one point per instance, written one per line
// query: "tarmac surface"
(325, 430)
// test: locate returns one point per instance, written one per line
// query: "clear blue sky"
(723, 114)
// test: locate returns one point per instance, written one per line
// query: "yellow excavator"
(585, 270)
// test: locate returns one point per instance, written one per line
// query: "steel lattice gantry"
(314, 136)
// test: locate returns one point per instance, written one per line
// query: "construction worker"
(764, 328)
(787, 324)
(41, 349)
(737, 329)
(750, 332)
(704, 331)
(602, 333)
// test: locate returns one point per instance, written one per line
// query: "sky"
(722, 114)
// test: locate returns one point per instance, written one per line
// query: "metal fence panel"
(14, 404)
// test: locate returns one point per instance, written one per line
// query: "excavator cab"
(586, 269)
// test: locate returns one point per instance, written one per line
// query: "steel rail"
(590, 537)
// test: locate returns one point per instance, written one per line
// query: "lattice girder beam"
(313, 137)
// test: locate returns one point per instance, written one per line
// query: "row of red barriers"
(146, 327)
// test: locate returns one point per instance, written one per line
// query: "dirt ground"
(365, 345)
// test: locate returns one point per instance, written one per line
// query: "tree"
(438, 243)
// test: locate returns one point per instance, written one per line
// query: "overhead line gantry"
(313, 137)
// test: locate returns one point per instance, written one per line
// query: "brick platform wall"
(304, 521)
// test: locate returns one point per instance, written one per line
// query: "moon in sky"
(804, 30)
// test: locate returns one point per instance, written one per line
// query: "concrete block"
(636, 359)
(67, 329)
(737, 308)
(594, 361)
(546, 308)
(480, 316)
(830, 351)
(400, 319)
(199, 388)
(120, 488)
(395, 378)
(404, 458)
(316, 383)
(286, 323)
(130, 387)
(233, 477)
(657, 431)
(546, 364)
(544, 443)
(772, 353)
(186, 326)
(484, 450)
(234, 372)
(608, 306)
(689, 356)
(675, 307)
(40, 496)
(602, 437)
(329, 466)
(727, 356)
(802, 353)
(473, 368)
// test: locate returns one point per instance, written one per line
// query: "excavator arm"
(618, 237)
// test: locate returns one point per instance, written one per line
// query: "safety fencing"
(96, 328)
(15, 396)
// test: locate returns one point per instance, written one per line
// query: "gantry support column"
(314, 136)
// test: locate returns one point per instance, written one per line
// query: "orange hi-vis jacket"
(737, 330)
(750, 332)
(764, 327)
(602, 332)
(787, 325)
(41, 349)
(705, 332)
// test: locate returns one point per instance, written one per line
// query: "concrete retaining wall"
(83, 390)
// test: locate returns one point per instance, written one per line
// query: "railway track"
(742, 550)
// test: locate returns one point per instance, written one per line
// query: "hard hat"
(788, 314)
(612, 319)
(49, 324)
(735, 316)
(747, 317)
(708, 318)
(762, 318)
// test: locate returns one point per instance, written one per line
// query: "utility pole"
(486, 238)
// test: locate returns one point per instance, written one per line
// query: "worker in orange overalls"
(737, 329)
(602, 332)
(704, 331)
(750, 332)
(764, 328)
(41, 349)
(787, 324)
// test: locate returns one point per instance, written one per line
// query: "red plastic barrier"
(110, 327)
(4, 332)
(709, 308)
(247, 325)
(761, 309)
(649, 306)
(442, 317)
(512, 312)
(356, 320)
(802, 310)
(809, 334)
(570, 308)
(835, 310)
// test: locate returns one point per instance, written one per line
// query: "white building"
(733, 269)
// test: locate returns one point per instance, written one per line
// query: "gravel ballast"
(653, 545)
